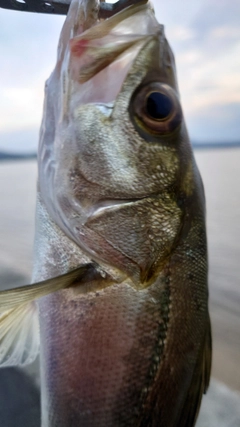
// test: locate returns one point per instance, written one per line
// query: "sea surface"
(221, 175)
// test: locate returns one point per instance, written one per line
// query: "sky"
(205, 38)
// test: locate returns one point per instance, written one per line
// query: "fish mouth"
(100, 45)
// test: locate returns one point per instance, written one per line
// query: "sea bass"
(120, 223)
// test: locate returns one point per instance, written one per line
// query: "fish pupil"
(158, 106)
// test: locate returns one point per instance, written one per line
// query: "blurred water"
(17, 211)
(221, 176)
(220, 172)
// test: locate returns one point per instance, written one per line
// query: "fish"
(118, 305)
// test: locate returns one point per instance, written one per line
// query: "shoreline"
(6, 156)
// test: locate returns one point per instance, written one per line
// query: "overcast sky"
(205, 37)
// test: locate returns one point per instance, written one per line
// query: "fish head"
(115, 162)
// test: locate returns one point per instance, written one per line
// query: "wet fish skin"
(136, 353)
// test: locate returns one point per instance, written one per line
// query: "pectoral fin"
(18, 296)
(19, 329)
(19, 335)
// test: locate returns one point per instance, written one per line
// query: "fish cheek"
(114, 161)
(143, 232)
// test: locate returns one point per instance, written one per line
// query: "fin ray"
(19, 325)
(24, 294)
(19, 335)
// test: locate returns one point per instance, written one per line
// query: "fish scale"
(120, 258)
(100, 370)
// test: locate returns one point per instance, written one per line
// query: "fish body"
(130, 343)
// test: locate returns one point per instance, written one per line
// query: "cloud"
(205, 37)
(216, 13)
(216, 123)
(28, 45)
(28, 53)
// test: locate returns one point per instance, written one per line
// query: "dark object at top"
(57, 8)
(36, 6)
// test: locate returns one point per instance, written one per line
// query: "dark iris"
(158, 106)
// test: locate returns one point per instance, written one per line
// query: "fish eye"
(157, 108)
